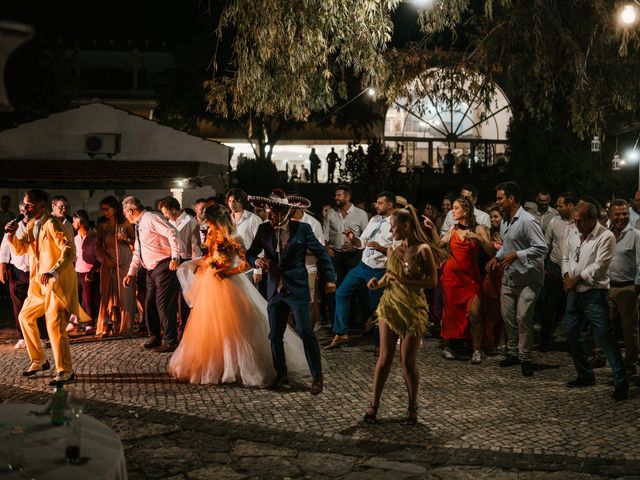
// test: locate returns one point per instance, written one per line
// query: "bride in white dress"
(226, 339)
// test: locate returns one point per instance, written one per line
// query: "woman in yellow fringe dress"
(403, 311)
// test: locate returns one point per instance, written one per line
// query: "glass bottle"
(58, 404)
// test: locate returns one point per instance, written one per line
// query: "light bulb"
(628, 15)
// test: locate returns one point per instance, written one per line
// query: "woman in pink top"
(87, 266)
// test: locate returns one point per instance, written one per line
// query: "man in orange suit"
(53, 288)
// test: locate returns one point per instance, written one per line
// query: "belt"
(621, 284)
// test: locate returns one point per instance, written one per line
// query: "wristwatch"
(175, 259)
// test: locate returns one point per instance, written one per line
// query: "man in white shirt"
(15, 270)
(246, 222)
(310, 261)
(199, 206)
(344, 217)
(554, 300)
(482, 218)
(189, 239)
(588, 250)
(634, 216)
(624, 274)
(158, 250)
(373, 242)
(59, 209)
(543, 212)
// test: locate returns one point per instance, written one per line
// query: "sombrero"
(278, 199)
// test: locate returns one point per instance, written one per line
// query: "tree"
(372, 171)
(291, 58)
(543, 51)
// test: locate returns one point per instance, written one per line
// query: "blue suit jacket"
(292, 268)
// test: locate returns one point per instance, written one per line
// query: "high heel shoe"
(412, 417)
(371, 415)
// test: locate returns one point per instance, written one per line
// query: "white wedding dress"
(226, 339)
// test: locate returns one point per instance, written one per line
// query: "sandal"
(371, 414)
(412, 417)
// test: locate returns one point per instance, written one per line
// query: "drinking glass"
(15, 442)
(73, 439)
(76, 401)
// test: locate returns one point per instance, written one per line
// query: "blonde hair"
(410, 215)
(219, 216)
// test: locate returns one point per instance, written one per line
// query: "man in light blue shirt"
(521, 258)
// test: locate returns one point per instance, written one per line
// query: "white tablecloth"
(44, 447)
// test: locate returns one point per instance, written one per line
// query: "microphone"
(11, 223)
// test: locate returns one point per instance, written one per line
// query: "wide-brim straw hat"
(277, 199)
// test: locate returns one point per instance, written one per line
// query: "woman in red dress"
(461, 280)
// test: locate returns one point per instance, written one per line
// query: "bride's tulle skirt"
(226, 339)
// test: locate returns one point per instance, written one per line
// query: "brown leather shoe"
(337, 341)
(316, 385)
(165, 348)
(152, 343)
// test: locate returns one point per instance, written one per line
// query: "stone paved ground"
(475, 421)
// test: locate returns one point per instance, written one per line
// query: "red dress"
(461, 282)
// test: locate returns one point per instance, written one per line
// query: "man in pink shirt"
(158, 250)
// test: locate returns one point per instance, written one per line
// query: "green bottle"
(58, 404)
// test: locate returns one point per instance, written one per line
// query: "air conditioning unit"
(102, 143)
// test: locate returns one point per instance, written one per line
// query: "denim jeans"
(355, 279)
(592, 306)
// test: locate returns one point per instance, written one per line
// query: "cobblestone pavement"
(474, 421)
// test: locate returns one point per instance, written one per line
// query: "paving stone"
(481, 416)
(382, 463)
(329, 465)
(375, 474)
(218, 472)
(252, 449)
(268, 467)
(132, 428)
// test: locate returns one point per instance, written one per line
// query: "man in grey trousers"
(521, 258)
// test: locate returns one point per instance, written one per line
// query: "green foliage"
(372, 171)
(257, 176)
(554, 158)
(290, 57)
(541, 51)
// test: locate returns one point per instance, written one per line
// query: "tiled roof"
(94, 173)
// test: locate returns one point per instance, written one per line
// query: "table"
(44, 447)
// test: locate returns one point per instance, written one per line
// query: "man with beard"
(624, 274)
(521, 258)
(53, 287)
(342, 218)
(554, 297)
(285, 246)
(543, 212)
(373, 242)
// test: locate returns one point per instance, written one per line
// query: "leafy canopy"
(291, 57)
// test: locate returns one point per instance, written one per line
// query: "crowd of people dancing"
(236, 288)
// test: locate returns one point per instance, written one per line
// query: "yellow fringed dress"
(403, 308)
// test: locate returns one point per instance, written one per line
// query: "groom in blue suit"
(285, 246)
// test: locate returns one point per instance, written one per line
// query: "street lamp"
(628, 14)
